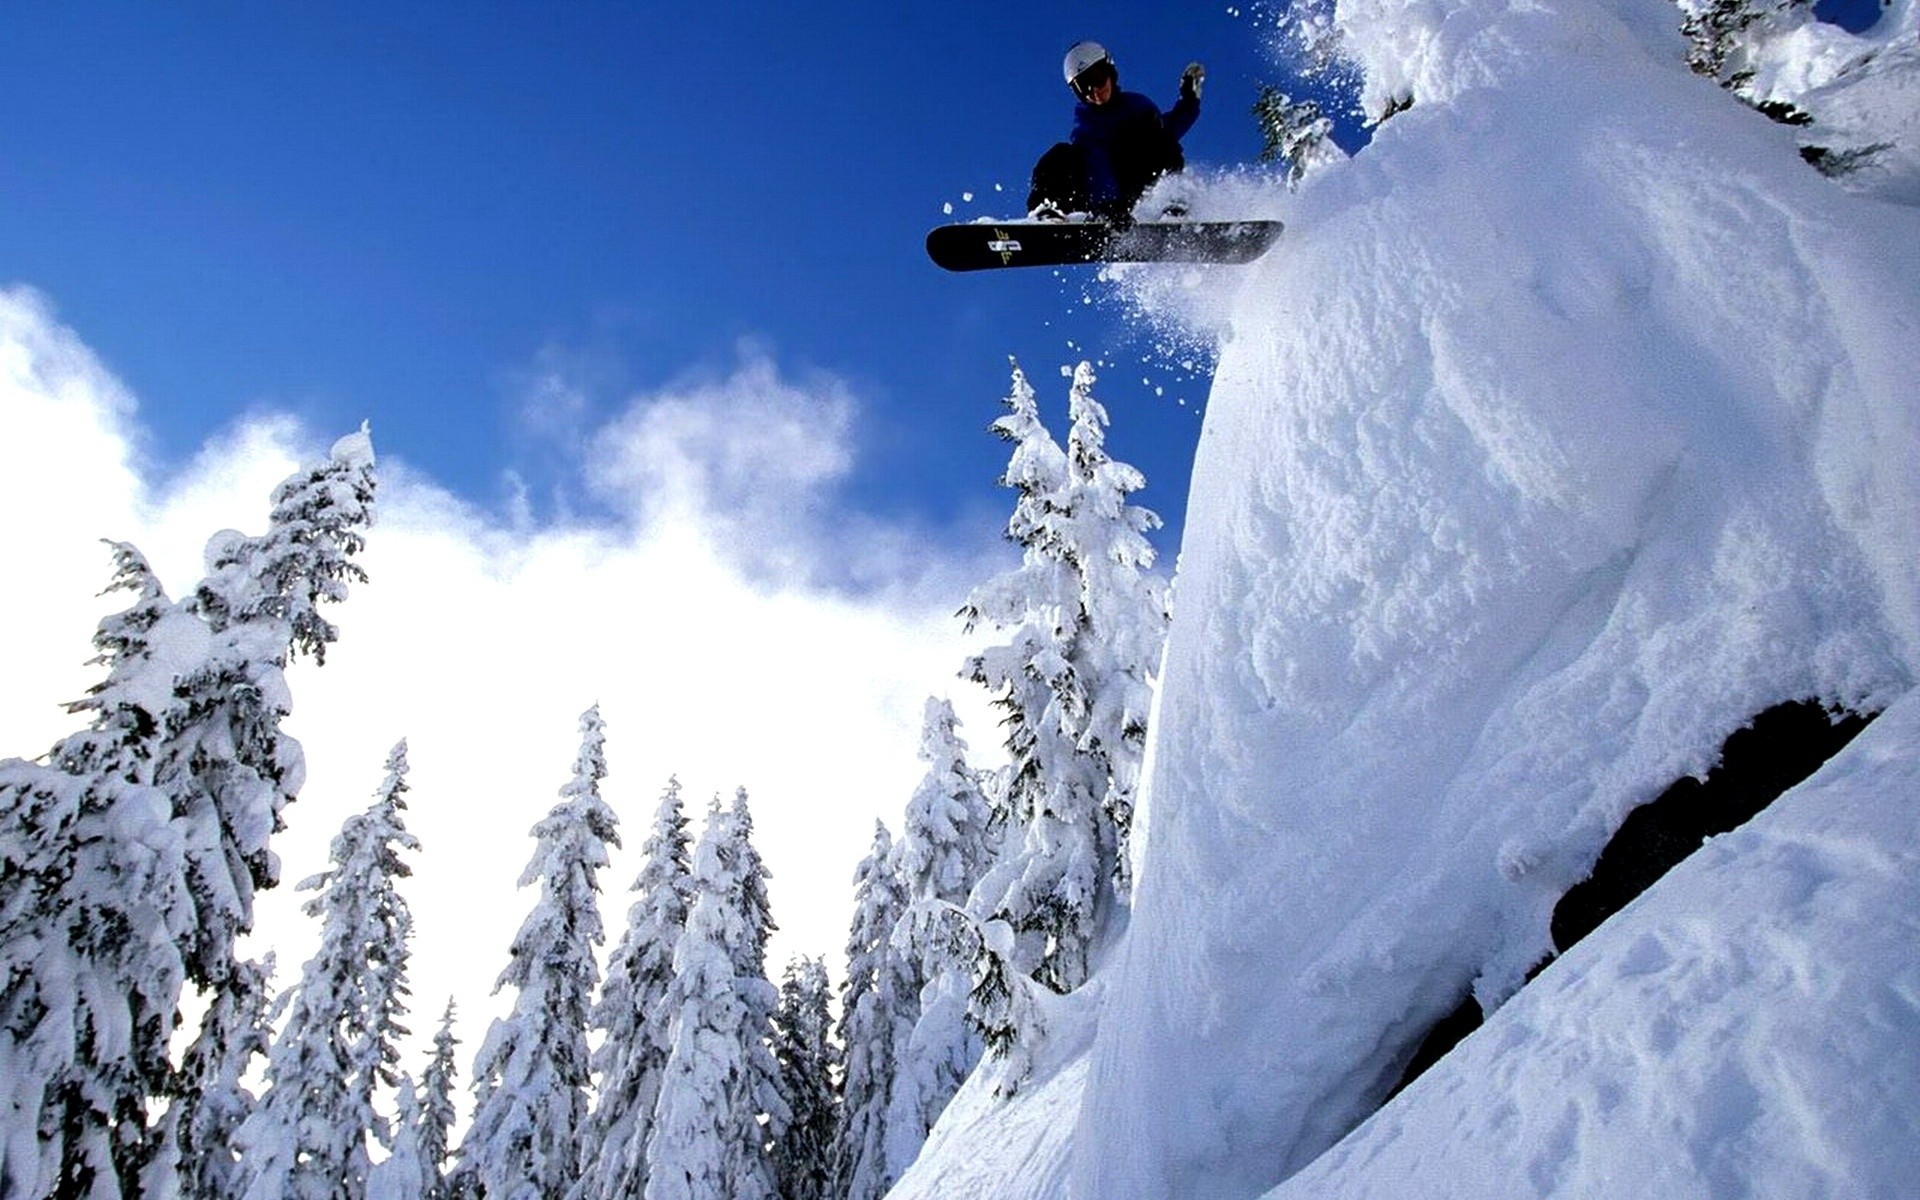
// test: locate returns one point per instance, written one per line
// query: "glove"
(1191, 80)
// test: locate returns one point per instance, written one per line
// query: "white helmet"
(1083, 57)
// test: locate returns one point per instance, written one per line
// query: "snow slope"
(1769, 991)
(1571, 425)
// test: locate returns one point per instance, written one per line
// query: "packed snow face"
(1570, 426)
(1750, 1027)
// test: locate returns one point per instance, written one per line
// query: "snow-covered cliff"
(1571, 426)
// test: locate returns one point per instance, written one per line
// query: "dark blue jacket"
(1128, 143)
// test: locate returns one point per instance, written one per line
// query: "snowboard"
(990, 246)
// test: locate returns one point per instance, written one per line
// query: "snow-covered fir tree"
(803, 1046)
(210, 1100)
(437, 1113)
(708, 1141)
(310, 1137)
(944, 848)
(1087, 621)
(1036, 471)
(531, 1076)
(750, 964)
(1122, 621)
(872, 1013)
(946, 840)
(417, 1167)
(118, 852)
(93, 907)
(224, 762)
(632, 1015)
(1297, 133)
(1722, 34)
(405, 1173)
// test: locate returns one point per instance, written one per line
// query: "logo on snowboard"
(1004, 246)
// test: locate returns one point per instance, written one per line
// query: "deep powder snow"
(1570, 426)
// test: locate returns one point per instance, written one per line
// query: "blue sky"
(409, 213)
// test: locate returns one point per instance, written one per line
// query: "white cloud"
(481, 644)
(750, 456)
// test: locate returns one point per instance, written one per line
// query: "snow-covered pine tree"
(942, 852)
(404, 1174)
(1018, 602)
(803, 1046)
(92, 909)
(309, 1137)
(1721, 34)
(437, 1113)
(210, 1100)
(1124, 618)
(116, 886)
(870, 1016)
(1297, 133)
(225, 763)
(632, 1015)
(1087, 623)
(531, 1077)
(750, 965)
(707, 1141)
(946, 840)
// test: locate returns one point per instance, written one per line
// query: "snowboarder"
(1121, 141)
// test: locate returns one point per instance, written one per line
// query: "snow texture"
(1570, 426)
(1724, 984)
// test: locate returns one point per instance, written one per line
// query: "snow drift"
(1571, 426)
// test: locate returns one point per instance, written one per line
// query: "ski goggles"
(1094, 76)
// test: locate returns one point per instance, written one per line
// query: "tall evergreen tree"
(1122, 623)
(946, 842)
(532, 1073)
(870, 1017)
(227, 766)
(309, 1138)
(633, 1016)
(766, 1102)
(803, 1046)
(211, 1101)
(437, 1113)
(943, 849)
(91, 912)
(1022, 603)
(1087, 622)
(108, 900)
(708, 1142)
(405, 1174)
